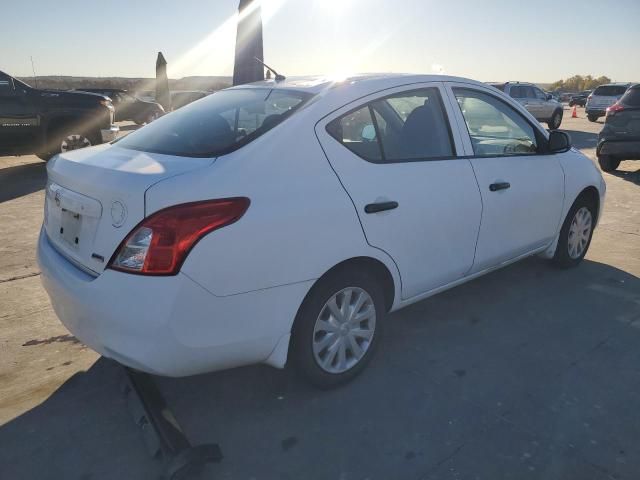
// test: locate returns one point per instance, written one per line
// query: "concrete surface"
(527, 373)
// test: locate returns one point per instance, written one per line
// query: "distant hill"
(60, 82)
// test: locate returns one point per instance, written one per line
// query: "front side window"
(540, 95)
(408, 126)
(219, 124)
(494, 127)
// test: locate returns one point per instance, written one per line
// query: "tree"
(578, 83)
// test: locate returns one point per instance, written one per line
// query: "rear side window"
(632, 97)
(610, 90)
(219, 124)
(408, 126)
(357, 132)
(494, 127)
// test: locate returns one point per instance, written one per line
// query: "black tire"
(593, 118)
(302, 337)
(46, 156)
(555, 120)
(608, 163)
(562, 258)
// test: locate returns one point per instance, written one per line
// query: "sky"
(492, 40)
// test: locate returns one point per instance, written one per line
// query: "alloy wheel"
(74, 142)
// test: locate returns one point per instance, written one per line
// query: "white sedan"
(284, 220)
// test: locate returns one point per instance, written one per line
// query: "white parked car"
(283, 220)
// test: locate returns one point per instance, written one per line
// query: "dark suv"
(579, 99)
(620, 137)
(46, 122)
(129, 107)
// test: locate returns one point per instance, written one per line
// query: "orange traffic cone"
(574, 113)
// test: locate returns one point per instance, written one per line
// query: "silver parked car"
(540, 104)
(602, 98)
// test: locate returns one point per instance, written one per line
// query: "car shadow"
(580, 139)
(628, 175)
(529, 359)
(21, 180)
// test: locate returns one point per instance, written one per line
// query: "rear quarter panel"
(300, 223)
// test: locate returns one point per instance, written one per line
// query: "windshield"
(610, 90)
(217, 124)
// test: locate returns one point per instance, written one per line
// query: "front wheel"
(555, 121)
(576, 233)
(592, 118)
(608, 163)
(338, 327)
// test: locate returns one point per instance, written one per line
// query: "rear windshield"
(217, 124)
(632, 97)
(610, 91)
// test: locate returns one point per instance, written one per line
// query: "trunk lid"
(625, 123)
(96, 196)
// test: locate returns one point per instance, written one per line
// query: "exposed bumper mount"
(161, 432)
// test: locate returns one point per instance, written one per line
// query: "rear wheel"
(608, 163)
(592, 118)
(66, 140)
(338, 327)
(74, 141)
(147, 119)
(576, 233)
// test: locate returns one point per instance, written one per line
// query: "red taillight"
(161, 242)
(615, 108)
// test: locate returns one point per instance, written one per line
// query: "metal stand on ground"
(161, 431)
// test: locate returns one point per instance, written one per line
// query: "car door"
(546, 107)
(522, 187)
(531, 102)
(19, 120)
(395, 154)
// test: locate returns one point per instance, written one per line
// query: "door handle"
(380, 207)
(494, 187)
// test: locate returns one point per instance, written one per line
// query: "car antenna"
(35, 79)
(279, 78)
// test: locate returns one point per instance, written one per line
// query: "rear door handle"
(380, 207)
(494, 187)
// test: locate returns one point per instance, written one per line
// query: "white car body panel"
(432, 195)
(100, 178)
(238, 292)
(290, 218)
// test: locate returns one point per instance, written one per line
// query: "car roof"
(319, 83)
(336, 92)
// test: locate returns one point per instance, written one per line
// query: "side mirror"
(559, 142)
(549, 96)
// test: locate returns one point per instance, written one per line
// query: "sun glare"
(214, 53)
(333, 7)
